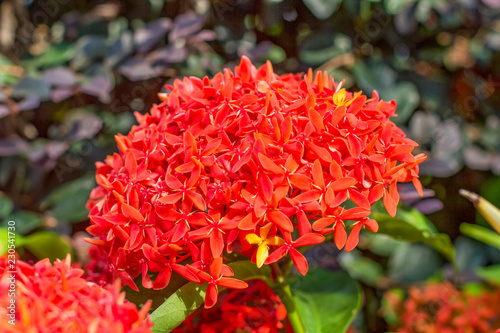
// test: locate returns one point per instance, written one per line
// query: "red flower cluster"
(256, 309)
(97, 268)
(242, 162)
(440, 308)
(55, 298)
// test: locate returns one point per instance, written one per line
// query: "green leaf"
(490, 274)
(412, 226)
(47, 245)
(55, 55)
(395, 6)
(177, 307)
(157, 296)
(373, 75)
(26, 221)
(326, 301)
(361, 268)
(67, 202)
(413, 262)
(407, 98)
(191, 296)
(6, 206)
(481, 234)
(469, 253)
(322, 9)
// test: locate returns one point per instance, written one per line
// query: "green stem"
(288, 300)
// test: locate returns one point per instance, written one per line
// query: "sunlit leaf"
(47, 245)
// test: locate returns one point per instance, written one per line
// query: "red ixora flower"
(440, 307)
(242, 162)
(256, 309)
(55, 298)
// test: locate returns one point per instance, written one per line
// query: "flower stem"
(288, 300)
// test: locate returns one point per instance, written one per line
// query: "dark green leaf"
(6, 206)
(55, 55)
(88, 48)
(47, 245)
(327, 301)
(31, 86)
(412, 226)
(413, 262)
(470, 254)
(407, 98)
(67, 202)
(361, 268)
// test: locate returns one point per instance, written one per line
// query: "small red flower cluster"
(256, 309)
(55, 298)
(242, 162)
(97, 268)
(440, 308)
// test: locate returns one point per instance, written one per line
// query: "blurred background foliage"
(72, 72)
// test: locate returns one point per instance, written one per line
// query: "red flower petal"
(339, 235)
(299, 261)
(211, 296)
(353, 238)
(281, 220)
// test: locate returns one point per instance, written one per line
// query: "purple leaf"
(61, 93)
(13, 146)
(440, 167)
(145, 38)
(139, 69)
(84, 128)
(476, 158)
(429, 206)
(203, 36)
(186, 25)
(99, 86)
(29, 103)
(2, 96)
(492, 3)
(168, 54)
(54, 149)
(258, 52)
(4, 111)
(59, 76)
